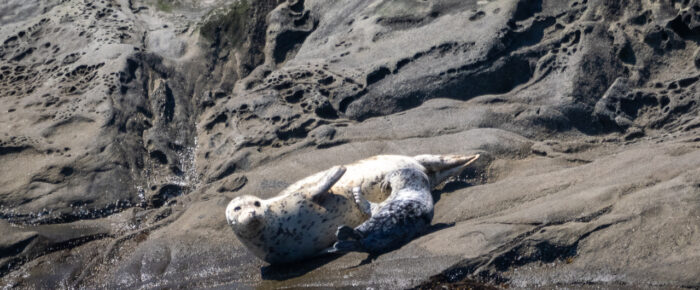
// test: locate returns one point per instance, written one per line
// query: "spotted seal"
(405, 214)
(303, 219)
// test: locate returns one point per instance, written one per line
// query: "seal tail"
(441, 167)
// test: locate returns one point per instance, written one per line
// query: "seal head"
(245, 214)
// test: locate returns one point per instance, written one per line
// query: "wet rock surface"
(129, 125)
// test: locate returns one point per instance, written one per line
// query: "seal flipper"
(440, 167)
(326, 181)
(348, 246)
(345, 233)
(394, 225)
(366, 207)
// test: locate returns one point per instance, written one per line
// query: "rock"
(165, 43)
(127, 128)
(233, 184)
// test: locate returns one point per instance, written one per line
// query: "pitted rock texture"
(128, 125)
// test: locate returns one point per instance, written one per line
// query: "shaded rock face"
(129, 125)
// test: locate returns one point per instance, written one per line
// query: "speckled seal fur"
(303, 219)
(405, 214)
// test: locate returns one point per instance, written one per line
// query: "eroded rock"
(129, 125)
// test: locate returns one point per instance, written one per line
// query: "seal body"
(303, 219)
(369, 175)
(407, 213)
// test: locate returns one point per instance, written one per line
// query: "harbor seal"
(292, 225)
(405, 214)
(303, 219)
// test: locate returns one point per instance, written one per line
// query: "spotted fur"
(302, 220)
(406, 213)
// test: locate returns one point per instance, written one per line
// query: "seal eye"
(237, 208)
(257, 203)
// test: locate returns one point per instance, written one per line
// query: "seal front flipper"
(342, 247)
(366, 207)
(348, 246)
(326, 181)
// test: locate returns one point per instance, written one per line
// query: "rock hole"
(343, 105)
(627, 54)
(298, 6)
(165, 193)
(326, 111)
(477, 16)
(327, 81)
(169, 106)
(12, 149)
(287, 42)
(377, 75)
(176, 170)
(295, 97)
(159, 156)
(67, 171)
(221, 118)
(687, 82)
(228, 170)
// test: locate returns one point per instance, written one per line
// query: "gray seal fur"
(405, 214)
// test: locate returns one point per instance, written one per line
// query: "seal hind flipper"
(441, 167)
(396, 224)
(345, 233)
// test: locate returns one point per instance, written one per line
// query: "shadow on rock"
(450, 187)
(282, 272)
(374, 255)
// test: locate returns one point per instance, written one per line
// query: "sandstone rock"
(129, 125)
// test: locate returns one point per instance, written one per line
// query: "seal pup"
(303, 219)
(405, 214)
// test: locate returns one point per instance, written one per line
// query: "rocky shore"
(128, 125)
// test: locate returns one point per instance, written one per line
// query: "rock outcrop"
(128, 125)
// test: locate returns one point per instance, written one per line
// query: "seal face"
(245, 215)
(303, 219)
